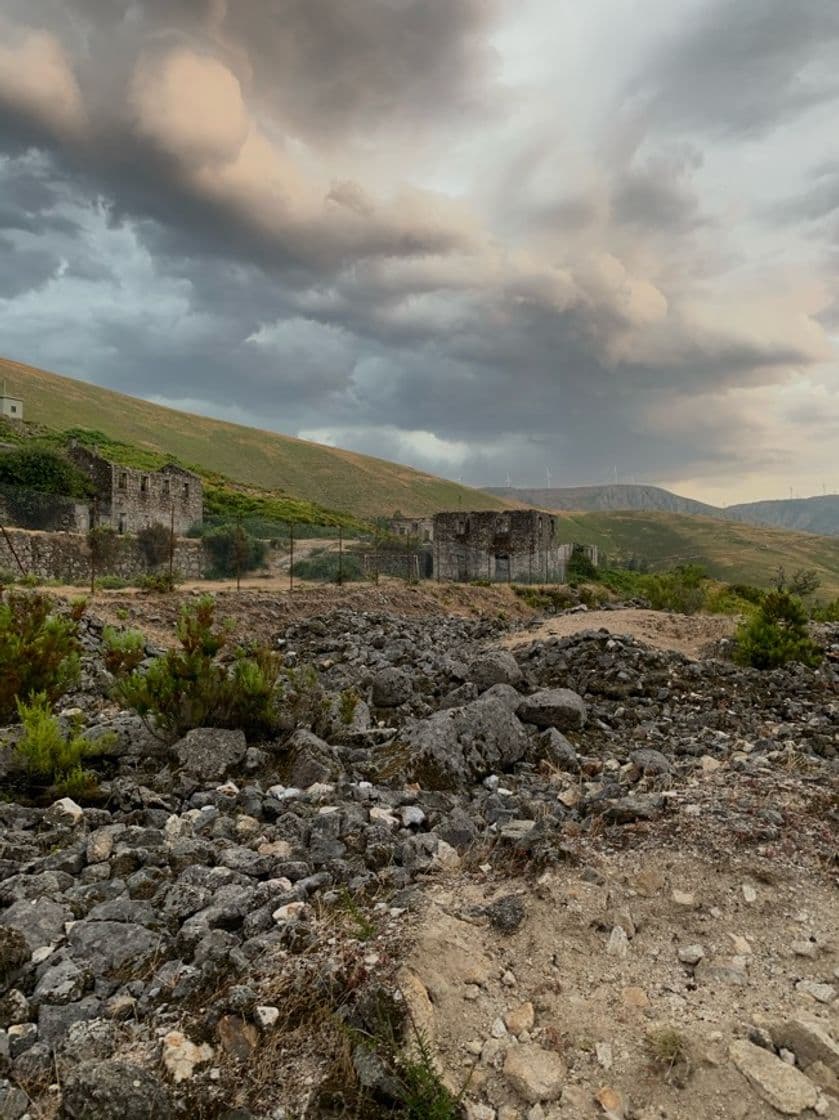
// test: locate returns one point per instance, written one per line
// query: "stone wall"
(129, 499)
(35, 509)
(402, 565)
(65, 556)
(515, 546)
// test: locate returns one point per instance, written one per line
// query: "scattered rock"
(780, 1085)
(535, 1074)
(107, 1090)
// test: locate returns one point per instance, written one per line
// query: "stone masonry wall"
(65, 556)
(517, 546)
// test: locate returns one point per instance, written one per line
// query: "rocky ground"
(579, 877)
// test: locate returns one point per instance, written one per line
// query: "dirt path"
(687, 634)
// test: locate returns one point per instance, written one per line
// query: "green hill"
(328, 476)
(729, 550)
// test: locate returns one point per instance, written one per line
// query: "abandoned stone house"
(129, 500)
(517, 545)
(420, 529)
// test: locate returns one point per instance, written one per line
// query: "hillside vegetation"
(328, 476)
(728, 550)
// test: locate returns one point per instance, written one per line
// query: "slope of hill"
(729, 550)
(618, 497)
(808, 515)
(329, 476)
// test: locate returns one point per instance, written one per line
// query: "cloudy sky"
(484, 237)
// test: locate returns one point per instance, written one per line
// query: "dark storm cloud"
(184, 188)
(744, 67)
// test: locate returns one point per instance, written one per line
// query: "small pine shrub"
(347, 705)
(776, 634)
(124, 650)
(39, 650)
(47, 754)
(154, 542)
(191, 687)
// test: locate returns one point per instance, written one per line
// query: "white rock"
(64, 812)
(684, 898)
(498, 1028)
(180, 1056)
(445, 857)
(805, 949)
(411, 815)
(266, 1016)
(290, 912)
(822, 993)
(749, 893)
(383, 816)
(691, 954)
(618, 943)
(603, 1052)
(535, 1074)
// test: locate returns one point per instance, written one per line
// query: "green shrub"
(124, 650)
(549, 599)
(581, 567)
(325, 568)
(154, 543)
(111, 583)
(678, 590)
(39, 650)
(159, 581)
(776, 634)
(233, 550)
(47, 754)
(191, 687)
(827, 612)
(41, 468)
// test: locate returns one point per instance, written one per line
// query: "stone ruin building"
(517, 545)
(129, 500)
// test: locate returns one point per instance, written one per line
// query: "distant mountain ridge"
(818, 515)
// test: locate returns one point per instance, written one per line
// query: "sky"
(524, 239)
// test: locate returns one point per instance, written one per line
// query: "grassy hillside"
(341, 480)
(729, 550)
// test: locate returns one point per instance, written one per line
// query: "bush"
(47, 754)
(827, 612)
(159, 581)
(154, 543)
(680, 590)
(191, 687)
(39, 650)
(549, 599)
(124, 650)
(324, 568)
(776, 634)
(104, 546)
(111, 583)
(581, 567)
(40, 468)
(233, 550)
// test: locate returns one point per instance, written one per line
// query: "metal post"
(239, 552)
(290, 557)
(172, 546)
(340, 555)
(11, 548)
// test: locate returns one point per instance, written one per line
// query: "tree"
(775, 634)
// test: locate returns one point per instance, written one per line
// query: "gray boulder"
(312, 760)
(391, 687)
(14, 1103)
(554, 707)
(114, 1091)
(209, 753)
(107, 945)
(464, 744)
(61, 983)
(496, 666)
(40, 920)
(553, 746)
(127, 737)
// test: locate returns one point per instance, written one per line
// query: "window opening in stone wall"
(186, 490)
(144, 484)
(121, 523)
(123, 480)
(166, 488)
